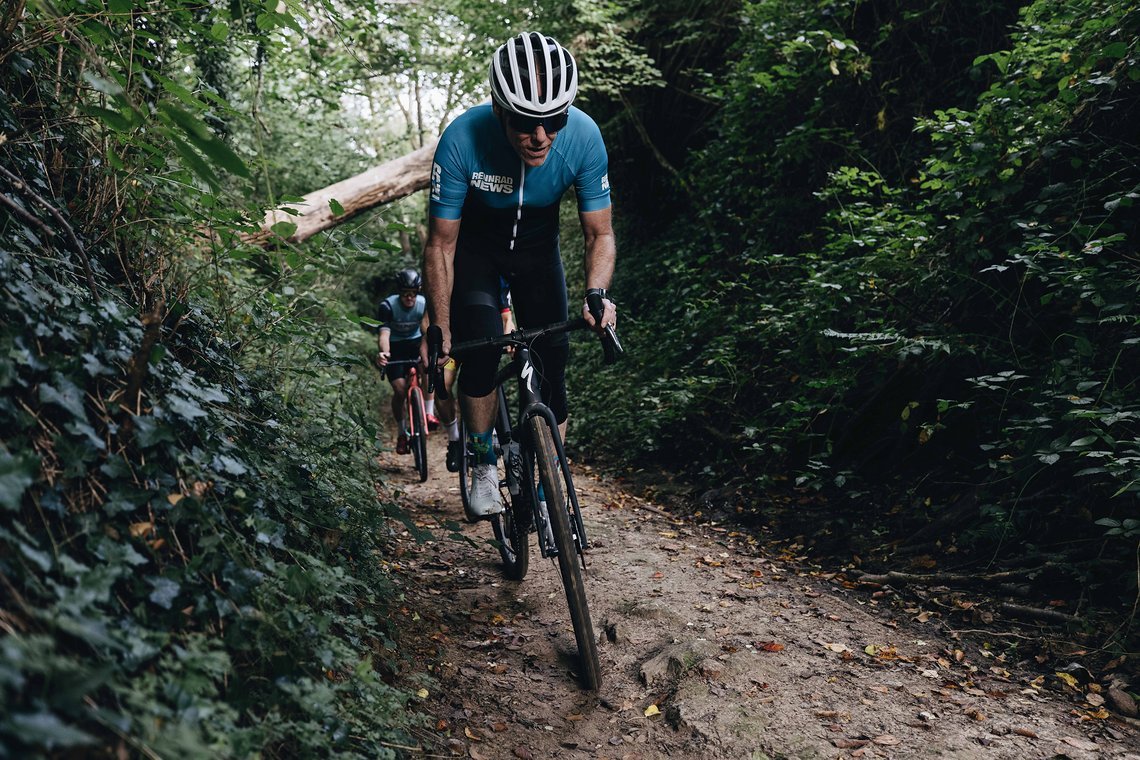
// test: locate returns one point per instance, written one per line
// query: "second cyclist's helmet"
(532, 74)
(408, 279)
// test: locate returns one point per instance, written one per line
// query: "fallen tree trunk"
(379, 185)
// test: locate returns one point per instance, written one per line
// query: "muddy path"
(713, 645)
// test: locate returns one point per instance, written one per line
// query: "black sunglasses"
(527, 124)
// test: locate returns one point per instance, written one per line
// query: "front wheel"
(558, 507)
(466, 466)
(418, 437)
(512, 527)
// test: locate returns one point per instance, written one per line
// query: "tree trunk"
(379, 185)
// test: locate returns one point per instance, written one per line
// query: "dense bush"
(190, 545)
(904, 265)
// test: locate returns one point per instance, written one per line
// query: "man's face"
(408, 298)
(532, 147)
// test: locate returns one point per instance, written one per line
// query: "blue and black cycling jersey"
(404, 324)
(509, 230)
(507, 207)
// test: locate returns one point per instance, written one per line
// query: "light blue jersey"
(404, 323)
(507, 207)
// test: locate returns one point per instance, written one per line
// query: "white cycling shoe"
(484, 501)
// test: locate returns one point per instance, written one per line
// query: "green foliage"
(191, 537)
(903, 264)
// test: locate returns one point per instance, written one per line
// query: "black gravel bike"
(535, 480)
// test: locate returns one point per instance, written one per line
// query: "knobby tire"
(551, 475)
(419, 433)
(512, 527)
(466, 465)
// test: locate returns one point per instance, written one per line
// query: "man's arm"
(383, 342)
(601, 254)
(439, 265)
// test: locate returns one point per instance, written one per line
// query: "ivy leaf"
(165, 591)
(184, 407)
(16, 474)
(1115, 50)
(231, 465)
(335, 207)
(67, 395)
(45, 729)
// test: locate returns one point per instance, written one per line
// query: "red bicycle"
(415, 415)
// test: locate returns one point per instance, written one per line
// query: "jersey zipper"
(518, 212)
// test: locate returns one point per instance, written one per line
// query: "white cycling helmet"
(532, 74)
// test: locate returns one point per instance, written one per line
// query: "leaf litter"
(791, 662)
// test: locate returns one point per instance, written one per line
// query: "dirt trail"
(712, 646)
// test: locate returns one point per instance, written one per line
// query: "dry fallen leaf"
(651, 711)
(769, 646)
(835, 647)
(1028, 733)
(473, 735)
(886, 740)
(1067, 678)
(849, 743)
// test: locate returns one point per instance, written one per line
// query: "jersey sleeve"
(384, 315)
(592, 182)
(448, 176)
(504, 295)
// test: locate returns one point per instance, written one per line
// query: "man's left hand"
(609, 316)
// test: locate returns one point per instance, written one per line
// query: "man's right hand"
(382, 359)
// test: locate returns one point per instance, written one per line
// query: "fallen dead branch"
(379, 185)
(1036, 613)
(895, 578)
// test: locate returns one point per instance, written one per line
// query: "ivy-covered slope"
(190, 545)
(903, 272)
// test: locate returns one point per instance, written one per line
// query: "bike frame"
(415, 409)
(530, 405)
(528, 453)
(413, 378)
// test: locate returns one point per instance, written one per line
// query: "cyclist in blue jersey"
(403, 320)
(499, 172)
